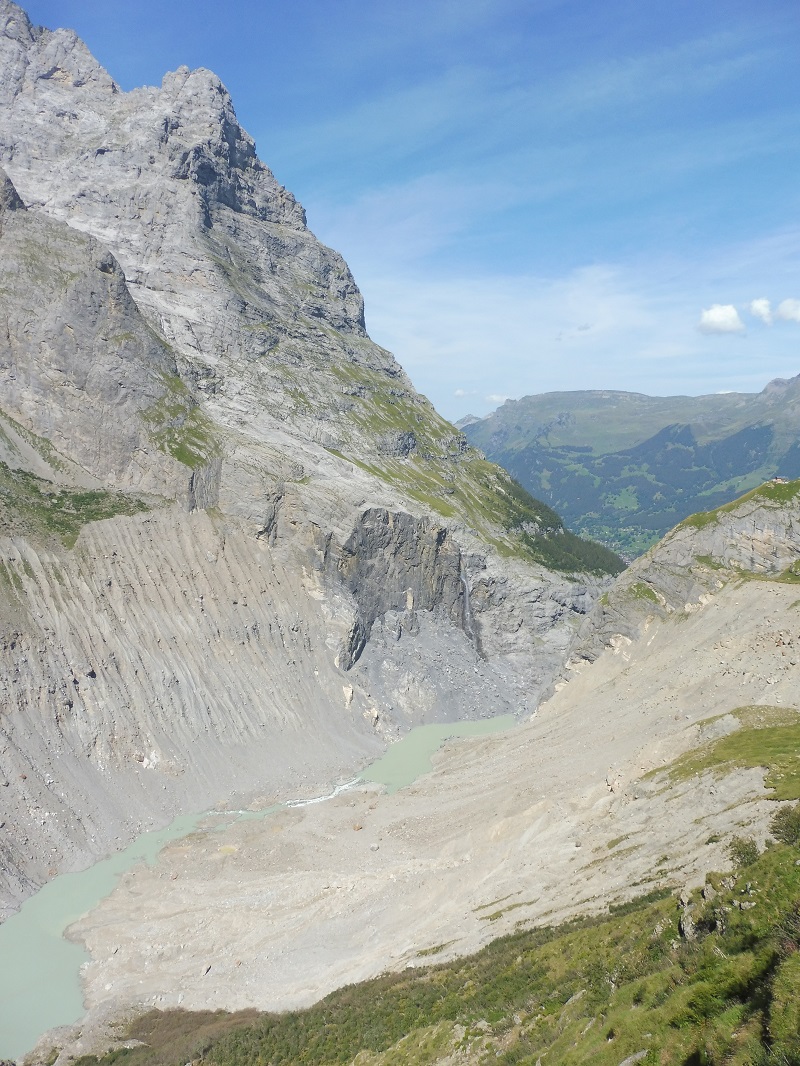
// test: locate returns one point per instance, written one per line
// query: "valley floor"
(561, 816)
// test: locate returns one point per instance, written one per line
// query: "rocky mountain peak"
(778, 389)
(169, 181)
(15, 24)
(57, 56)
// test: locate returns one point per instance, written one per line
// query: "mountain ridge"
(626, 467)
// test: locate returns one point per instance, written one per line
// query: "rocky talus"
(590, 803)
(238, 551)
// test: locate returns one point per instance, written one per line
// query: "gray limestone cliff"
(238, 551)
(757, 535)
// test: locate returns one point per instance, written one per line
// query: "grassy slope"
(767, 736)
(35, 508)
(768, 492)
(598, 989)
(444, 474)
(179, 428)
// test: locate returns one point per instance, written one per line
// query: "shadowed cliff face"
(79, 366)
(238, 552)
(393, 562)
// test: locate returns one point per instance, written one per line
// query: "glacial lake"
(40, 970)
(411, 757)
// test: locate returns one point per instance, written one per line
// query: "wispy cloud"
(761, 308)
(535, 136)
(402, 223)
(508, 336)
(513, 335)
(689, 68)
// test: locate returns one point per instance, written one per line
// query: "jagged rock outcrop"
(393, 563)
(235, 541)
(755, 536)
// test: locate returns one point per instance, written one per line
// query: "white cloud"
(720, 318)
(789, 310)
(761, 309)
(495, 398)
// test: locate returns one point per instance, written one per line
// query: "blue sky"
(532, 196)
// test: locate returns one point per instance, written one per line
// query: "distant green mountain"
(624, 468)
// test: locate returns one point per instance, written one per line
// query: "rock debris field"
(553, 818)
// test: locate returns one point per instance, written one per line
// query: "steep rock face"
(297, 557)
(78, 364)
(393, 562)
(755, 536)
(155, 668)
(216, 252)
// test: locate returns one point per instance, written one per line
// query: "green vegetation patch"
(640, 591)
(596, 990)
(486, 498)
(616, 842)
(31, 506)
(179, 428)
(779, 493)
(625, 500)
(495, 915)
(709, 561)
(791, 575)
(768, 737)
(435, 949)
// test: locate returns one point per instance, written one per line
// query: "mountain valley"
(625, 468)
(241, 555)
(622, 784)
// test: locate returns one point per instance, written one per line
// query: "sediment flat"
(556, 817)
